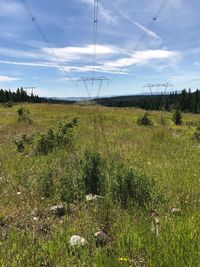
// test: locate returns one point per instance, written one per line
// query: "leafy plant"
(144, 120)
(196, 135)
(23, 141)
(24, 115)
(131, 186)
(46, 143)
(9, 104)
(177, 116)
(93, 172)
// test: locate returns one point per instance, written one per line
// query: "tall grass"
(135, 170)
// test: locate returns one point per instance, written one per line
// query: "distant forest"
(187, 101)
(21, 96)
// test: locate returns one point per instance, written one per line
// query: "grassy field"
(140, 171)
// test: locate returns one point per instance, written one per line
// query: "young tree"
(177, 116)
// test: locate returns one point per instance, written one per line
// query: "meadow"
(142, 173)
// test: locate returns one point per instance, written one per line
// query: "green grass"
(166, 154)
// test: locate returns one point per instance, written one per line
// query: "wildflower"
(123, 259)
(18, 193)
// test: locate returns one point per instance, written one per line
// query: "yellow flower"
(123, 259)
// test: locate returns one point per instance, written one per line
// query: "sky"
(55, 49)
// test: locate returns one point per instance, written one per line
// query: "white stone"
(76, 240)
(92, 197)
(175, 210)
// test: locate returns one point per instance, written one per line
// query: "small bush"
(9, 104)
(177, 116)
(46, 143)
(24, 115)
(23, 141)
(130, 186)
(196, 135)
(144, 120)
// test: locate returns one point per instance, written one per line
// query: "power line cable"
(43, 36)
(155, 17)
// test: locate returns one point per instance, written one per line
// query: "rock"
(101, 238)
(58, 210)
(92, 197)
(76, 240)
(175, 210)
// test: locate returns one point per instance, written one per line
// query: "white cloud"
(8, 79)
(75, 53)
(144, 57)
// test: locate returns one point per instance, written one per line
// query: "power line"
(155, 17)
(43, 36)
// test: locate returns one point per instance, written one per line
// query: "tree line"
(186, 101)
(20, 95)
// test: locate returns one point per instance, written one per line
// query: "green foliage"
(163, 121)
(45, 185)
(196, 135)
(46, 143)
(144, 120)
(93, 172)
(177, 116)
(24, 115)
(23, 141)
(8, 104)
(130, 186)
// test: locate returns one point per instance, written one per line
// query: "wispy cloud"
(104, 13)
(147, 31)
(144, 57)
(106, 65)
(10, 7)
(8, 79)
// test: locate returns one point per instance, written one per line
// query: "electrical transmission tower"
(90, 80)
(158, 86)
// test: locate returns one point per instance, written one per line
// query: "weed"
(93, 178)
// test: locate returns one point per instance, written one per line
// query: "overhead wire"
(43, 36)
(142, 37)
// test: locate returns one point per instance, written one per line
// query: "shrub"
(177, 116)
(131, 186)
(196, 135)
(22, 142)
(46, 143)
(93, 172)
(24, 115)
(9, 104)
(144, 120)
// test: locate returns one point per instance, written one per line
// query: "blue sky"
(169, 51)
